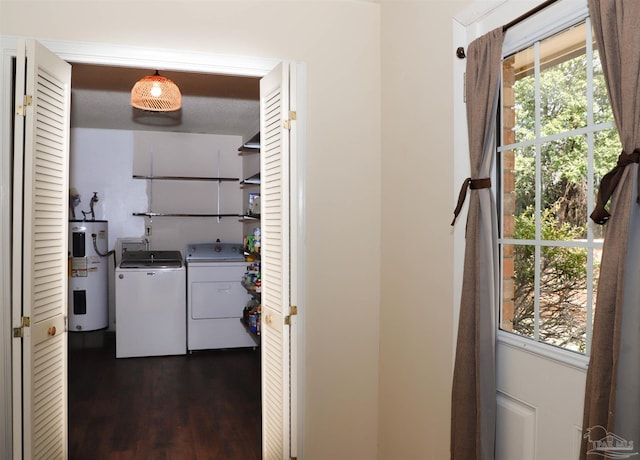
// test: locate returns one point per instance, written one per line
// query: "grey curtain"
(612, 396)
(473, 416)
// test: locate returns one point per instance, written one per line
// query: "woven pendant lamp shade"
(156, 94)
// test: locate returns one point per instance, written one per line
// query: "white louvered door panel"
(274, 197)
(40, 214)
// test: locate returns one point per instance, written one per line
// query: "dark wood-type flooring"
(200, 406)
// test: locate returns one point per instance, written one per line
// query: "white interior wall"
(101, 161)
(417, 321)
(105, 161)
(190, 155)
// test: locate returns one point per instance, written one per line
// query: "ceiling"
(214, 104)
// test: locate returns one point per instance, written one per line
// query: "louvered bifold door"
(39, 289)
(274, 197)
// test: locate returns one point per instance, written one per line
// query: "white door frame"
(144, 57)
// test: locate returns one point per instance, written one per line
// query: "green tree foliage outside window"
(562, 283)
(563, 107)
(564, 189)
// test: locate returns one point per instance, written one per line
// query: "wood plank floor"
(201, 406)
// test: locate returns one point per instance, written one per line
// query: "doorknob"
(52, 331)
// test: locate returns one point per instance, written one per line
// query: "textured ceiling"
(216, 104)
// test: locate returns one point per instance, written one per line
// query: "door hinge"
(292, 116)
(293, 310)
(18, 332)
(27, 100)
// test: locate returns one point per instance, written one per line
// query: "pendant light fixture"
(156, 94)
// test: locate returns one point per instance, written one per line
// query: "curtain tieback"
(473, 184)
(609, 183)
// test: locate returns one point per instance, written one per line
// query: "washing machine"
(216, 297)
(150, 304)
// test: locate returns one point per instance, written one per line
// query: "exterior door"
(39, 253)
(277, 129)
(540, 380)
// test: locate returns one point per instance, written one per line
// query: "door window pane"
(563, 82)
(564, 188)
(557, 142)
(563, 297)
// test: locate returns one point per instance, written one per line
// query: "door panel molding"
(516, 422)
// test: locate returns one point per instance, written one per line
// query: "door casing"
(132, 56)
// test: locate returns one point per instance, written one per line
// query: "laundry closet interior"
(164, 263)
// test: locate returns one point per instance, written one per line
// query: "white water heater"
(88, 275)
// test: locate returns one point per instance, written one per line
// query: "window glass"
(563, 170)
(557, 141)
(563, 297)
(563, 82)
(601, 105)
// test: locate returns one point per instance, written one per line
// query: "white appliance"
(150, 304)
(88, 275)
(129, 244)
(216, 297)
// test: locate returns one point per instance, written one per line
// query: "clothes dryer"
(216, 297)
